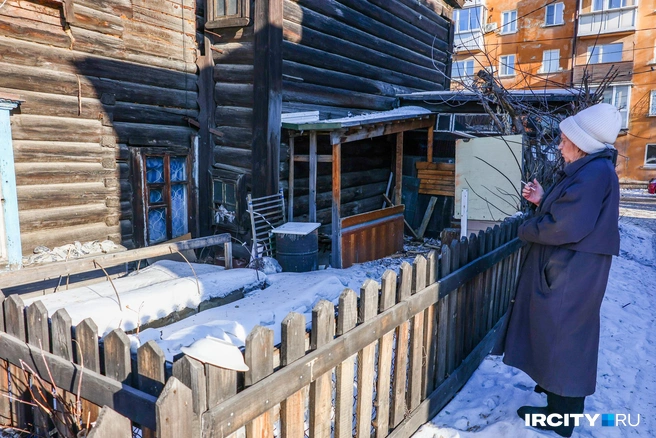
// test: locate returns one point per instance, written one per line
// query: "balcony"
(471, 41)
(608, 21)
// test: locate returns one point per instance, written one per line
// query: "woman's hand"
(533, 192)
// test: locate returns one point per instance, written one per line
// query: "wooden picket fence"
(380, 365)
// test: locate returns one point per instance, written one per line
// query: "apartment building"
(533, 44)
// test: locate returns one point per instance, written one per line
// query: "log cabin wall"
(100, 81)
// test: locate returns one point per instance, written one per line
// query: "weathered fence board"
(367, 311)
(259, 358)
(292, 409)
(344, 373)
(401, 353)
(192, 374)
(385, 350)
(173, 410)
(111, 425)
(416, 338)
(323, 331)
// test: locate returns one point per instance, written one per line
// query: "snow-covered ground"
(626, 381)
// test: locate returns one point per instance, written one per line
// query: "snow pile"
(150, 294)
(288, 292)
(626, 379)
(43, 254)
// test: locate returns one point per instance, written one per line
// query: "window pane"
(156, 225)
(593, 53)
(155, 196)
(598, 5)
(231, 7)
(652, 105)
(474, 18)
(560, 9)
(551, 18)
(178, 169)
(218, 191)
(614, 4)
(230, 194)
(179, 209)
(650, 157)
(219, 7)
(154, 170)
(611, 52)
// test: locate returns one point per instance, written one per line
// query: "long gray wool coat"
(553, 324)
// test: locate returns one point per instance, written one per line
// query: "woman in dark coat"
(553, 324)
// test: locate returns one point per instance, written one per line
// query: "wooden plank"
(54, 270)
(259, 358)
(367, 311)
(371, 216)
(38, 334)
(470, 303)
(434, 192)
(462, 318)
(5, 404)
(423, 165)
(323, 330)
(416, 338)
(118, 364)
(401, 353)
(336, 222)
(398, 169)
(290, 183)
(249, 403)
(86, 336)
(442, 395)
(430, 331)
(344, 373)
(174, 408)
(367, 131)
(443, 318)
(489, 296)
(436, 174)
(429, 144)
(150, 374)
(308, 158)
(292, 409)
(21, 412)
(135, 404)
(313, 176)
(427, 216)
(111, 425)
(479, 303)
(221, 384)
(453, 312)
(191, 373)
(385, 349)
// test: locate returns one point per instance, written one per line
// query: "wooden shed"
(140, 118)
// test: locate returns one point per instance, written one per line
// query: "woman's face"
(569, 150)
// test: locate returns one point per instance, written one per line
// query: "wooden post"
(401, 352)
(151, 377)
(292, 410)
(290, 185)
(5, 405)
(416, 337)
(313, 176)
(118, 364)
(86, 335)
(398, 172)
(323, 331)
(367, 311)
(61, 328)
(387, 300)
(453, 311)
(173, 410)
(207, 107)
(344, 373)
(429, 144)
(443, 319)
(430, 330)
(192, 374)
(259, 358)
(267, 96)
(110, 424)
(227, 254)
(38, 334)
(15, 325)
(336, 255)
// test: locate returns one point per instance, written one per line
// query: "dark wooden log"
(308, 93)
(337, 61)
(232, 156)
(233, 136)
(151, 114)
(431, 23)
(298, 34)
(318, 21)
(234, 116)
(227, 94)
(233, 73)
(141, 134)
(324, 199)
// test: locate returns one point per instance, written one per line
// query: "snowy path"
(626, 380)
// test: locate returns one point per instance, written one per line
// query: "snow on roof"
(404, 112)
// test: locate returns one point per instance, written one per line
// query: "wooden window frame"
(241, 19)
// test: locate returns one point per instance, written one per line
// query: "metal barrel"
(298, 253)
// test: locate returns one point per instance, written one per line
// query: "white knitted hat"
(593, 129)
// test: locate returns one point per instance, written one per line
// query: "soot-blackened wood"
(430, 330)
(453, 311)
(267, 93)
(118, 363)
(416, 337)
(206, 120)
(443, 319)
(110, 424)
(38, 334)
(367, 311)
(439, 28)
(323, 331)
(336, 209)
(344, 372)
(259, 358)
(173, 409)
(385, 345)
(15, 325)
(401, 354)
(192, 374)
(292, 410)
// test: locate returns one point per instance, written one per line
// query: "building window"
(166, 197)
(554, 14)
(650, 155)
(509, 22)
(468, 19)
(550, 61)
(604, 5)
(620, 96)
(652, 103)
(605, 53)
(463, 68)
(227, 13)
(507, 65)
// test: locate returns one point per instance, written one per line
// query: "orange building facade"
(554, 44)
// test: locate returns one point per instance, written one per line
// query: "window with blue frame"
(166, 197)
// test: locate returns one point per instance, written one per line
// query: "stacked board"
(436, 178)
